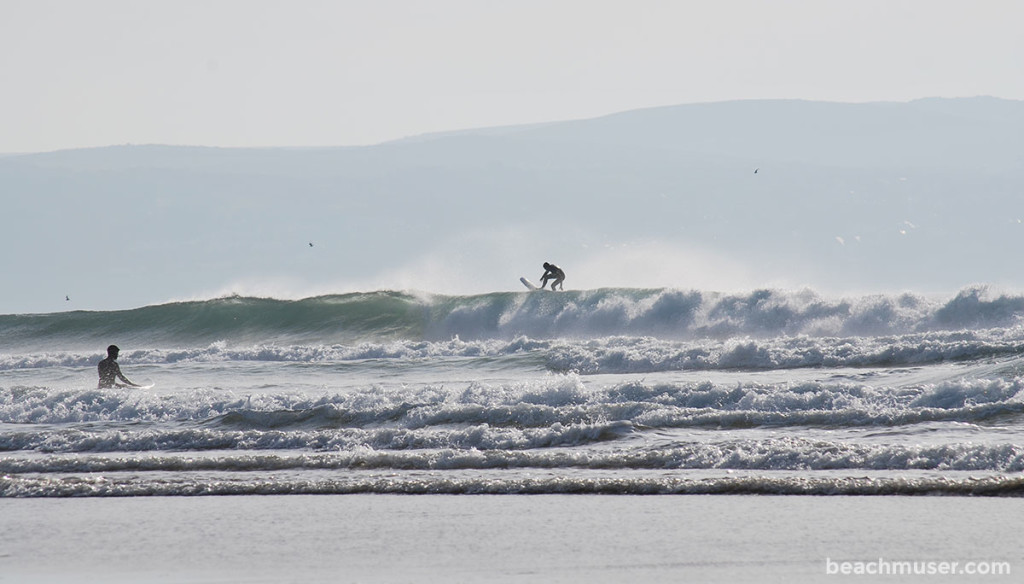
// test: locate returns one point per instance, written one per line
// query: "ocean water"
(609, 391)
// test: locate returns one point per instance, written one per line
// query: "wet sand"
(505, 538)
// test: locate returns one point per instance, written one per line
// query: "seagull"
(67, 299)
(311, 244)
(756, 169)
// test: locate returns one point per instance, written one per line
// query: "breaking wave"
(381, 316)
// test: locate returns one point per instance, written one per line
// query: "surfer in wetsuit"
(552, 272)
(110, 371)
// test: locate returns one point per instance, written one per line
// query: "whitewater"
(622, 391)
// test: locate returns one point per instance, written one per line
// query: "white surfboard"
(528, 283)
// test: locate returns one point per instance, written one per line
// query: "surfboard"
(528, 283)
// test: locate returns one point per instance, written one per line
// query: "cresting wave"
(377, 316)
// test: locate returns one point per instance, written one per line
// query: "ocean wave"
(390, 483)
(777, 454)
(558, 411)
(648, 355)
(619, 354)
(584, 314)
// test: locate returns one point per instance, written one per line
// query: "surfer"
(110, 371)
(552, 272)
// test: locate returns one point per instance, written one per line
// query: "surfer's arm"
(124, 379)
(128, 383)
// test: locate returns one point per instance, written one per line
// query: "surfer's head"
(112, 351)
(547, 266)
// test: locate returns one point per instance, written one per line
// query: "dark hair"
(113, 349)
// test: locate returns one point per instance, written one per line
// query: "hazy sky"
(311, 73)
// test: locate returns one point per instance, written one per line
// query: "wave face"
(659, 313)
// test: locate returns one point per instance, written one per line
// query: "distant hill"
(963, 132)
(918, 195)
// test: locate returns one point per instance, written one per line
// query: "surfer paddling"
(552, 272)
(110, 371)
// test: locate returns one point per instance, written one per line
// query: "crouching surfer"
(110, 371)
(552, 272)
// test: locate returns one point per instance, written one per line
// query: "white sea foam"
(554, 412)
(774, 454)
(486, 483)
(619, 354)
